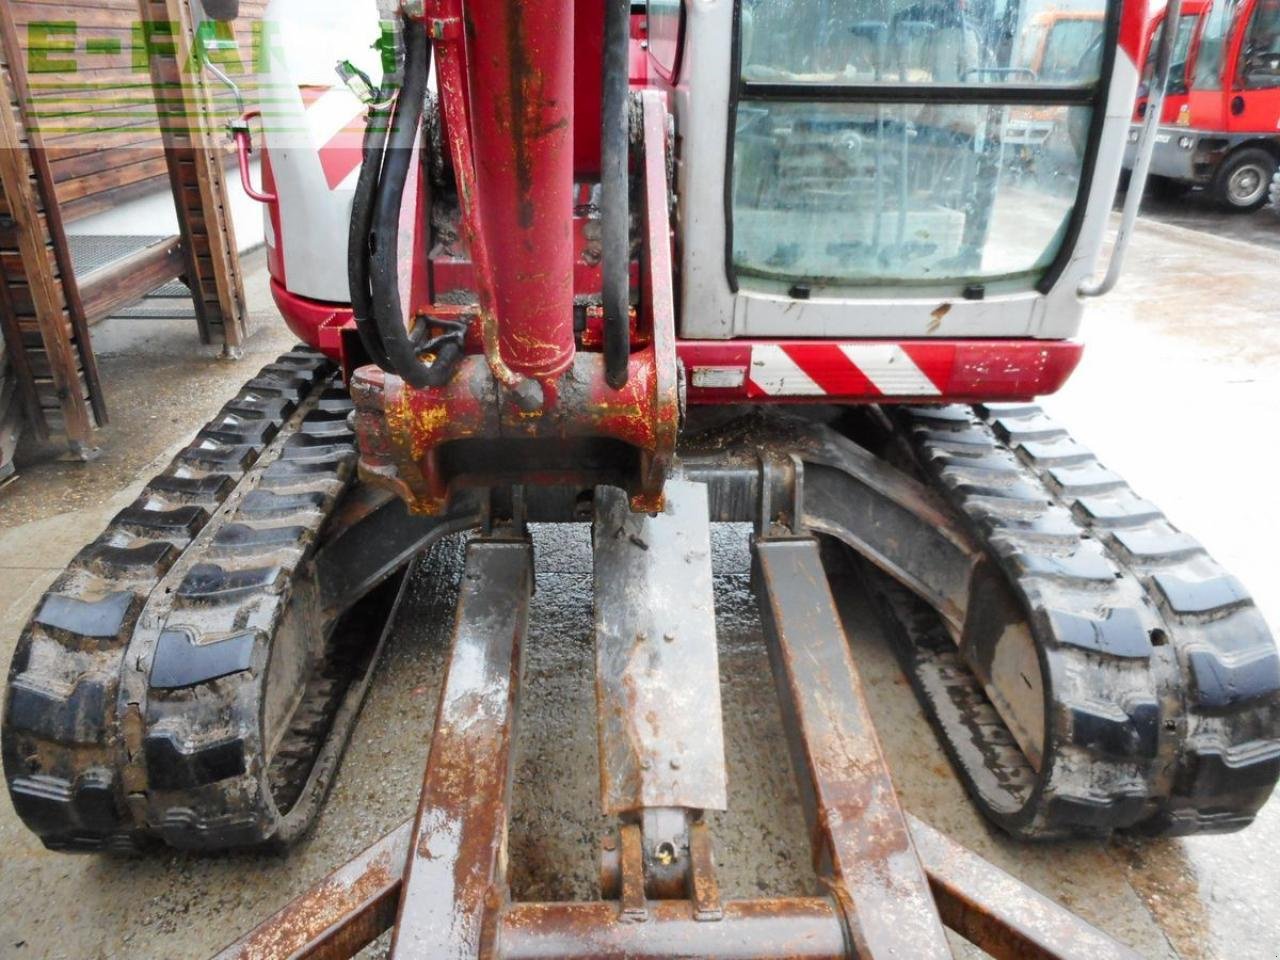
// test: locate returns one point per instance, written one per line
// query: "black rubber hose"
(615, 199)
(375, 139)
(384, 238)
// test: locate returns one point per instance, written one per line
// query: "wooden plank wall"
(46, 334)
(98, 119)
(80, 132)
(188, 119)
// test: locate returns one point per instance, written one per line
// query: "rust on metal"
(340, 915)
(629, 435)
(456, 862)
(657, 669)
(658, 294)
(858, 827)
(633, 905)
(449, 42)
(1001, 914)
(704, 891)
(796, 929)
(520, 68)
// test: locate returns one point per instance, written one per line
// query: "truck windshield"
(909, 141)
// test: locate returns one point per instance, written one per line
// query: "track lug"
(181, 662)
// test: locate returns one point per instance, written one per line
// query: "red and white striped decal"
(796, 371)
(816, 370)
(336, 120)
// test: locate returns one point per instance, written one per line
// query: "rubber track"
(89, 756)
(1164, 679)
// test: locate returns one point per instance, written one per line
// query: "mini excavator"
(774, 263)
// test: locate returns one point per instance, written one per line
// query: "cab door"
(1253, 104)
(1210, 94)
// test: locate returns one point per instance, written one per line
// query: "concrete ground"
(1196, 210)
(1177, 392)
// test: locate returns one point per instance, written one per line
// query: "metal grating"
(170, 301)
(91, 252)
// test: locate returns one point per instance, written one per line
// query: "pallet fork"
(893, 882)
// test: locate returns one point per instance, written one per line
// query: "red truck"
(1220, 126)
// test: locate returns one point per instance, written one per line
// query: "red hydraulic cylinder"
(522, 90)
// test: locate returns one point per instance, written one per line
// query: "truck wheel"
(1275, 191)
(1242, 181)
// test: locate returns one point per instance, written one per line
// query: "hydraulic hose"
(384, 237)
(375, 139)
(615, 261)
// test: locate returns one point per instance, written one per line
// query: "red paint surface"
(1134, 19)
(522, 93)
(962, 370)
(1173, 102)
(314, 322)
(1233, 108)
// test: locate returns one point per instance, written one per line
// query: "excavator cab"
(858, 183)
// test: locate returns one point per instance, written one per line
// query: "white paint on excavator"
(306, 109)
(713, 310)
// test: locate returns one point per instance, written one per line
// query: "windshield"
(1178, 66)
(849, 170)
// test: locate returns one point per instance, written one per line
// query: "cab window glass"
(835, 185)
(1213, 46)
(914, 42)
(1260, 55)
(664, 33)
(1181, 48)
(1069, 49)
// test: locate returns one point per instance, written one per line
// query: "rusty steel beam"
(351, 907)
(860, 834)
(456, 864)
(657, 670)
(1000, 913)
(340, 915)
(797, 929)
